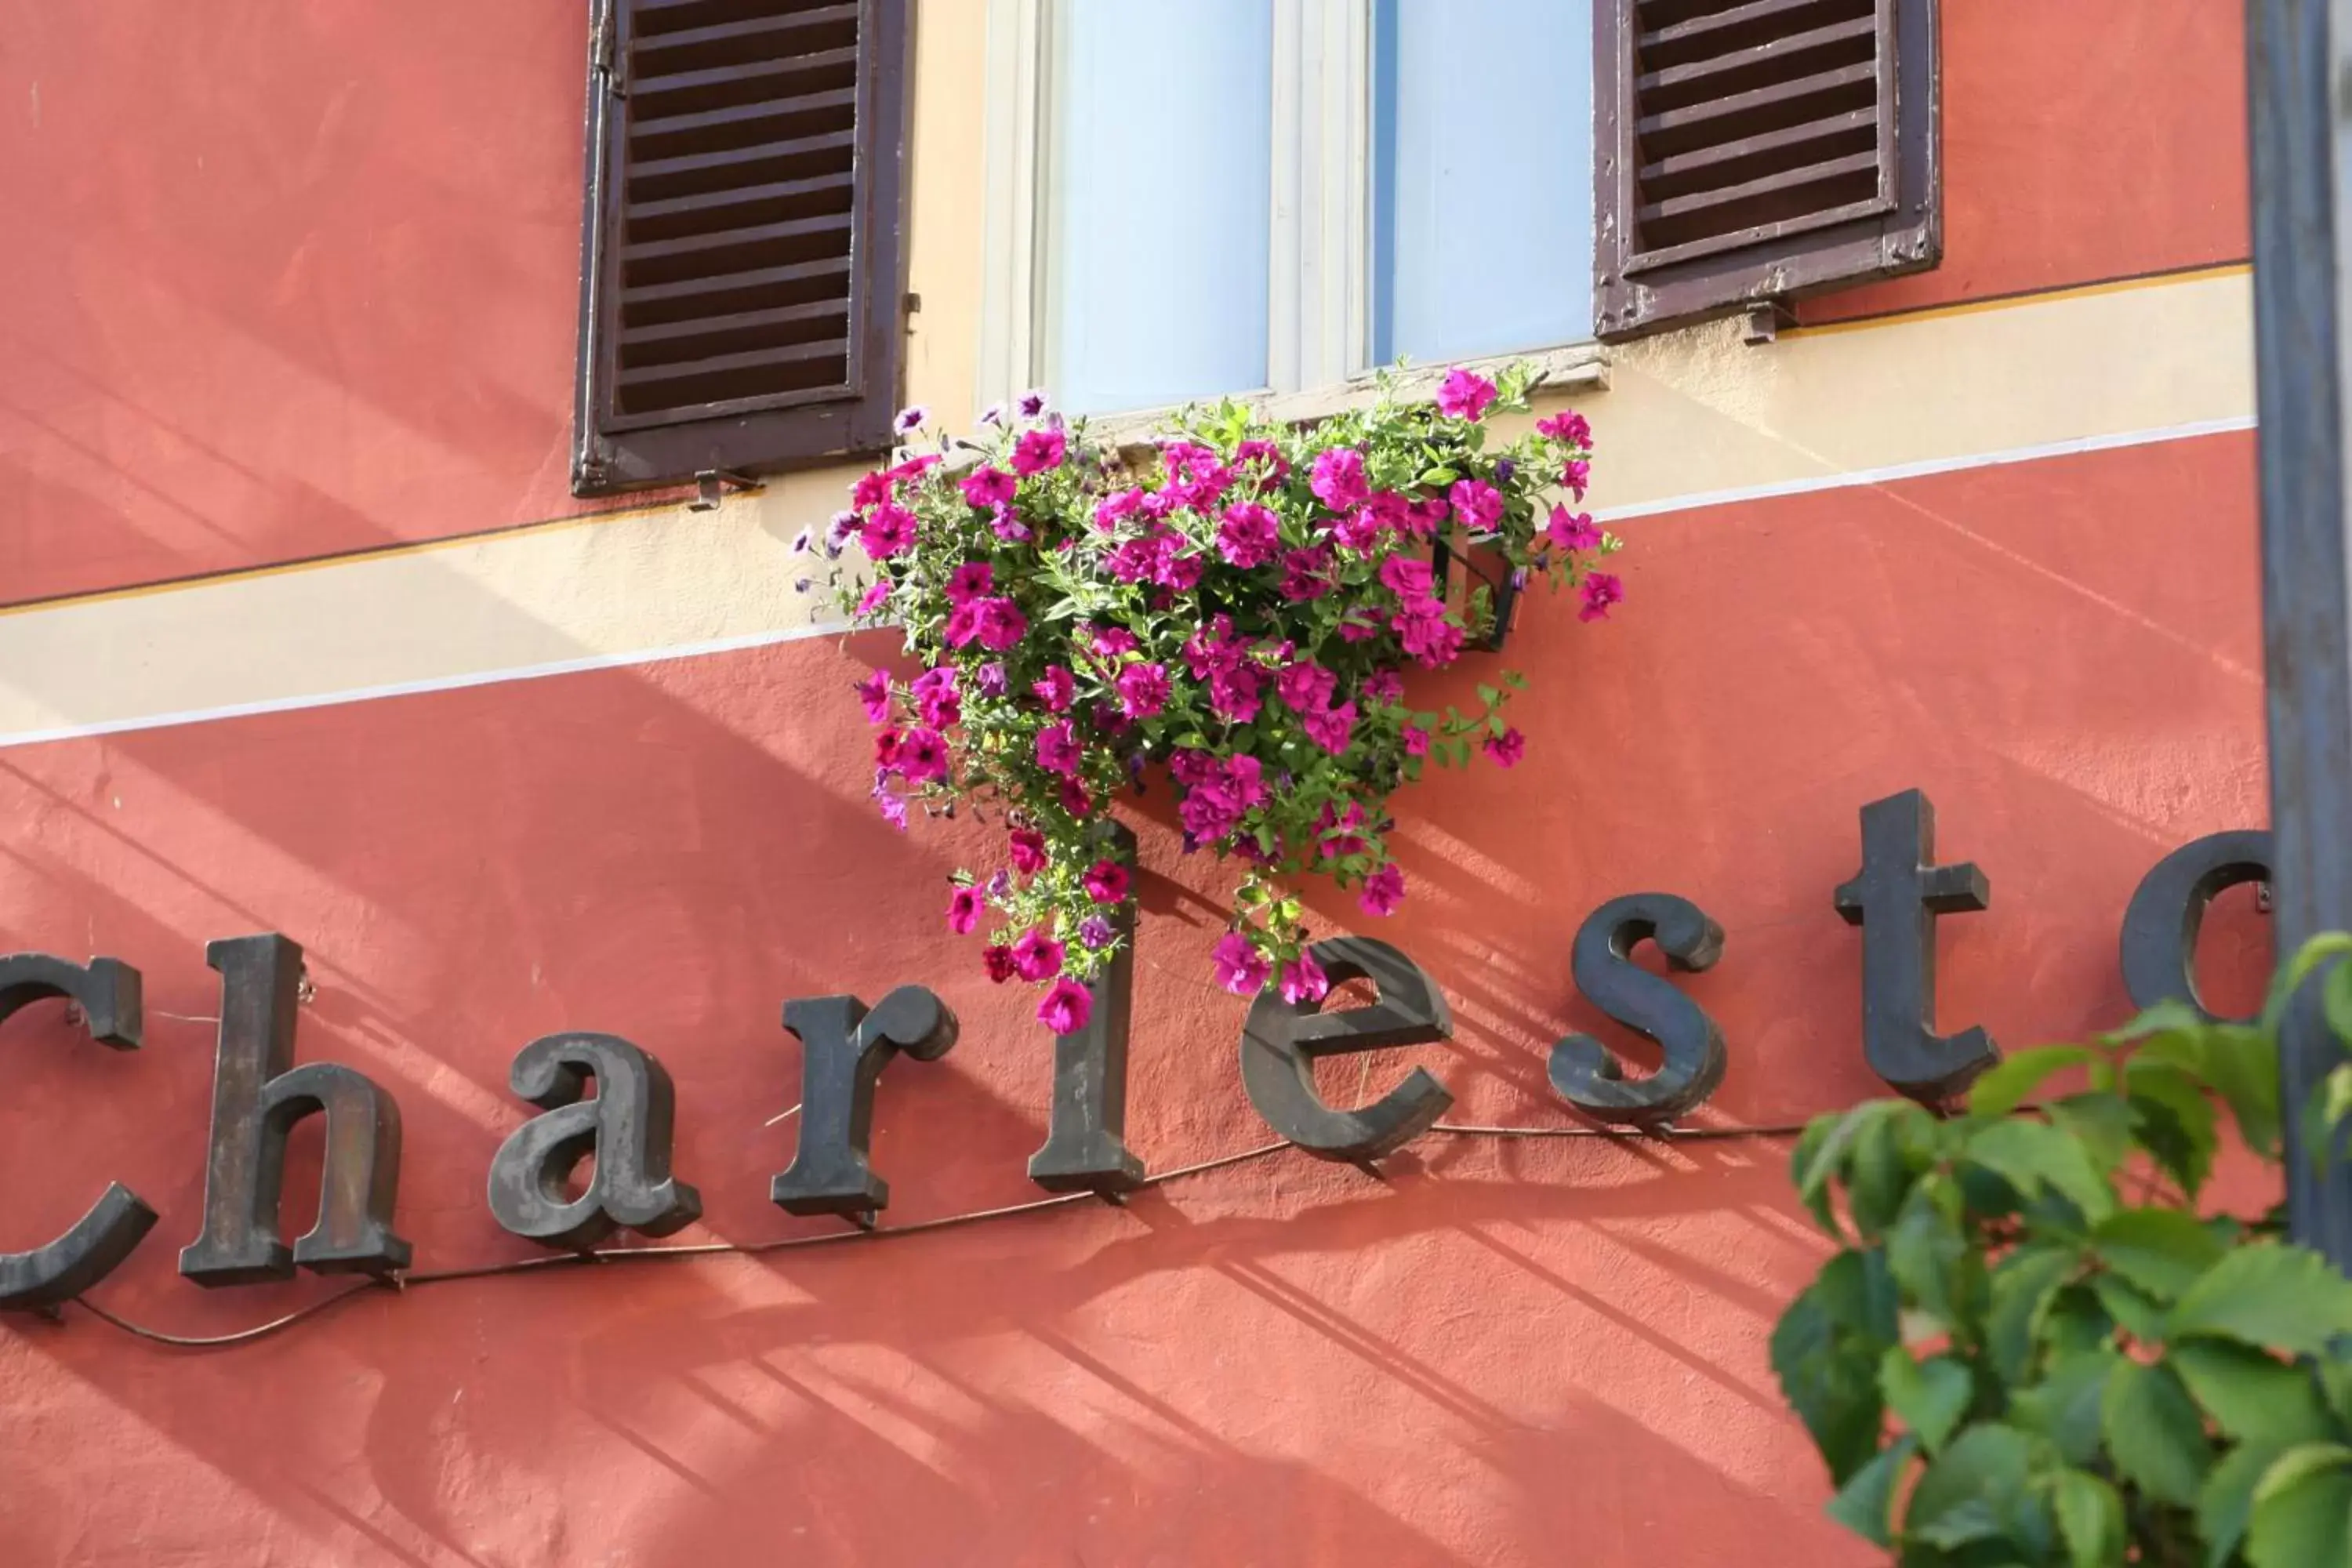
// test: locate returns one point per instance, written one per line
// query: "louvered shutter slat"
(748, 258)
(1753, 150)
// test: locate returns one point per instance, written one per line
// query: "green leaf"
(2318, 949)
(1930, 1396)
(1971, 1488)
(2003, 1087)
(2101, 1121)
(2252, 1396)
(2155, 1433)
(2226, 1501)
(1865, 1504)
(2140, 1315)
(2174, 1120)
(2021, 1289)
(1828, 1367)
(2303, 1509)
(1881, 1170)
(2162, 1251)
(2171, 1016)
(2033, 1156)
(1822, 1154)
(2240, 1064)
(2269, 1295)
(2065, 1405)
(2091, 1517)
(1932, 1262)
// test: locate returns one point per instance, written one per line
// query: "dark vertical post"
(2295, 53)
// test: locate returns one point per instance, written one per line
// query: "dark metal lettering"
(2167, 910)
(1281, 1040)
(844, 1049)
(107, 994)
(627, 1128)
(1085, 1140)
(1895, 900)
(258, 1094)
(1585, 1072)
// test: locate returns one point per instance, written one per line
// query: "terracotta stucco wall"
(605, 774)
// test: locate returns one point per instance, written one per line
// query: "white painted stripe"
(1695, 501)
(420, 687)
(1860, 476)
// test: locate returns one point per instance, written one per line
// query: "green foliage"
(2039, 1345)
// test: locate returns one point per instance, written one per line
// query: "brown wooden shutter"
(744, 257)
(1751, 152)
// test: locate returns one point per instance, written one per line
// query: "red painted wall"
(2083, 141)
(1505, 1352)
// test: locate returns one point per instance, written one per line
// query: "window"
(744, 259)
(1193, 198)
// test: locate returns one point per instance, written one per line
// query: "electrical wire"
(412, 1279)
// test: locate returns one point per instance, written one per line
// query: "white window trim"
(1318, 308)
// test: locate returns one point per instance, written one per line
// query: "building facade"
(336, 602)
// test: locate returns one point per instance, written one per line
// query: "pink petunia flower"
(1038, 450)
(1240, 969)
(989, 488)
(1565, 426)
(963, 910)
(1601, 591)
(1058, 689)
(1573, 531)
(1384, 891)
(1028, 851)
(888, 529)
(1465, 394)
(1142, 690)
(873, 692)
(1303, 980)
(998, 961)
(1106, 882)
(970, 580)
(1478, 504)
(873, 598)
(1066, 1007)
(1036, 955)
(1507, 748)
(1408, 579)
(922, 755)
(1339, 481)
(1057, 749)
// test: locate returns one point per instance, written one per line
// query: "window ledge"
(1580, 367)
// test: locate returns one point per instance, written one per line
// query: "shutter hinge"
(713, 483)
(612, 61)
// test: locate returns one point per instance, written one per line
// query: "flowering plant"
(1239, 609)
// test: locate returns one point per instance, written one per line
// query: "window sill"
(1580, 367)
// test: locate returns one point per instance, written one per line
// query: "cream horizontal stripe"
(1696, 419)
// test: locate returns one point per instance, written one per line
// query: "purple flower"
(1240, 968)
(1464, 395)
(1601, 591)
(1000, 884)
(963, 911)
(1036, 957)
(894, 810)
(1384, 891)
(1507, 748)
(1028, 851)
(1007, 527)
(873, 691)
(1066, 1007)
(1038, 450)
(910, 419)
(1106, 883)
(1031, 405)
(1303, 980)
(1058, 690)
(1478, 504)
(1339, 480)
(801, 540)
(1057, 749)
(1572, 531)
(837, 532)
(1142, 690)
(989, 486)
(888, 529)
(1096, 932)
(989, 679)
